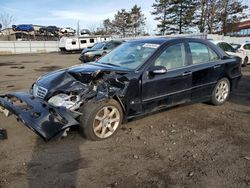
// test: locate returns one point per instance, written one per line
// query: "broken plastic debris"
(3, 134)
(5, 111)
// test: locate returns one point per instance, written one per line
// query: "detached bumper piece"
(44, 119)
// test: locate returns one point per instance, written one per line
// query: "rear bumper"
(44, 119)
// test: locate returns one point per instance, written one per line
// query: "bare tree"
(6, 20)
(92, 27)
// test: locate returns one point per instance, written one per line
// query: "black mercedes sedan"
(136, 78)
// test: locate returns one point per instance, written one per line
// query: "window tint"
(212, 55)
(247, 47)
(228, 47)
(222, 46)
(201, 53)
(173, 57)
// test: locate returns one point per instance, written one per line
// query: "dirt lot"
(195, 145)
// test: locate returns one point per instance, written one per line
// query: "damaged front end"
(53, 104)
(40, 116)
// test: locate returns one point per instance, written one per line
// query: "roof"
(156, 40)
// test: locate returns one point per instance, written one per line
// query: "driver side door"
(172, 87)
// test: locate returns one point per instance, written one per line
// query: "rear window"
(246, 46)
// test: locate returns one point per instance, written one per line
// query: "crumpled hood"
(65, 78)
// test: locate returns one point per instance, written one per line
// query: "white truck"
(78, 43)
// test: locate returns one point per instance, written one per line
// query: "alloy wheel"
(106, 121)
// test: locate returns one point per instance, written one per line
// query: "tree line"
(125, 23)
(179, 16)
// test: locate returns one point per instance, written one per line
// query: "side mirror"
(155, 70)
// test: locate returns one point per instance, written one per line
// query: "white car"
(244, 48)
(67, 30)
(231, 51)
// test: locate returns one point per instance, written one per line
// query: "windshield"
(98, 46)
(129, 55)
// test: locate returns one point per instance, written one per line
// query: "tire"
(221, 92)
(97, 121)
(245, 62)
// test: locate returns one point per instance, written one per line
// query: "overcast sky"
(63, 13)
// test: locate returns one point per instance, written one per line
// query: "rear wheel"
(101, 120)
(221, 92)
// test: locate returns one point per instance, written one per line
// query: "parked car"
(136, 78)
(231, 51)
(52, 29)
(23, 27)
(49, 29)
(67, 30)
(243, 48)
(98, 50)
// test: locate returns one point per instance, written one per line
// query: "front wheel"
(221, 92)
(101, 120)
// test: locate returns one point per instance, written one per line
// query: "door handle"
(217, 66)
(186, 73)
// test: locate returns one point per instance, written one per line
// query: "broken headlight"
(71, 102)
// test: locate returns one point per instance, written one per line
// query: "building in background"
(241, 29)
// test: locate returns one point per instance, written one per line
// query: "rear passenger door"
(206, 69)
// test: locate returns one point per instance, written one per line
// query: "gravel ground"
(195, 145)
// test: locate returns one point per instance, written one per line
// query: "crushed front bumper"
(44, 119)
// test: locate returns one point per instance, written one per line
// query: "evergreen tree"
(175, 16)
(160, 14)
(122, 22)
(107, 26)
(219, 16)
(137, 20)
(126, 23)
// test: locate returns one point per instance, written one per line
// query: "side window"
(222, 46)
(212, 55)
(83, 41)
(229, 48)
(173, 57)
(201, 53)
(246, 46)
(110, 46)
